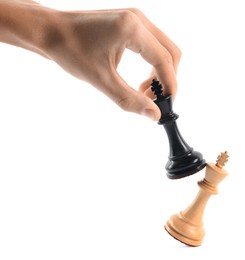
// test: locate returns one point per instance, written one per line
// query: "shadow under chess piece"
(183, 160)
(187, 226)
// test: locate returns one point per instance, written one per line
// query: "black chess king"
(183, 160)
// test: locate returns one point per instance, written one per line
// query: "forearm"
(26, 24)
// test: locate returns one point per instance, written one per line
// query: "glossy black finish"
(183, 160)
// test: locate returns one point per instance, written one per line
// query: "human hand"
(92, 43)
(89, 45)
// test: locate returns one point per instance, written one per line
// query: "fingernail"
(149, 113)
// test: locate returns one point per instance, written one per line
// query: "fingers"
(145, 43)
(164, 40)
(162, 70)
(142, 36)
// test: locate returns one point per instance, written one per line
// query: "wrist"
(28, 25)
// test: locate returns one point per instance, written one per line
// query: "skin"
(89, 45)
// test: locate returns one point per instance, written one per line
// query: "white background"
(81, 179)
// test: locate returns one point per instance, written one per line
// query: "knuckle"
(167, 57)
(127, 16)
(127, 22)
(126, 103)
(177, 54)
(136, 11)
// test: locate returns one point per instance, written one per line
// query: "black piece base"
(187, 165)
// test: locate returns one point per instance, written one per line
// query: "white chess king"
(187, 226)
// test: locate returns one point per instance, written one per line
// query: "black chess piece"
(183, 160)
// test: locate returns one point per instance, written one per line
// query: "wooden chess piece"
(182, 160)
(187, 226)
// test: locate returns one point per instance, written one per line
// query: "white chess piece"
(187, 226)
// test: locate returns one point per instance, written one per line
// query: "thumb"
(130, 100)
(134, 101)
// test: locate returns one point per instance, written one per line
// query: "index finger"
(160, 36)
(145, 43)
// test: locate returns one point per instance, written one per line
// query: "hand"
(89, 45)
